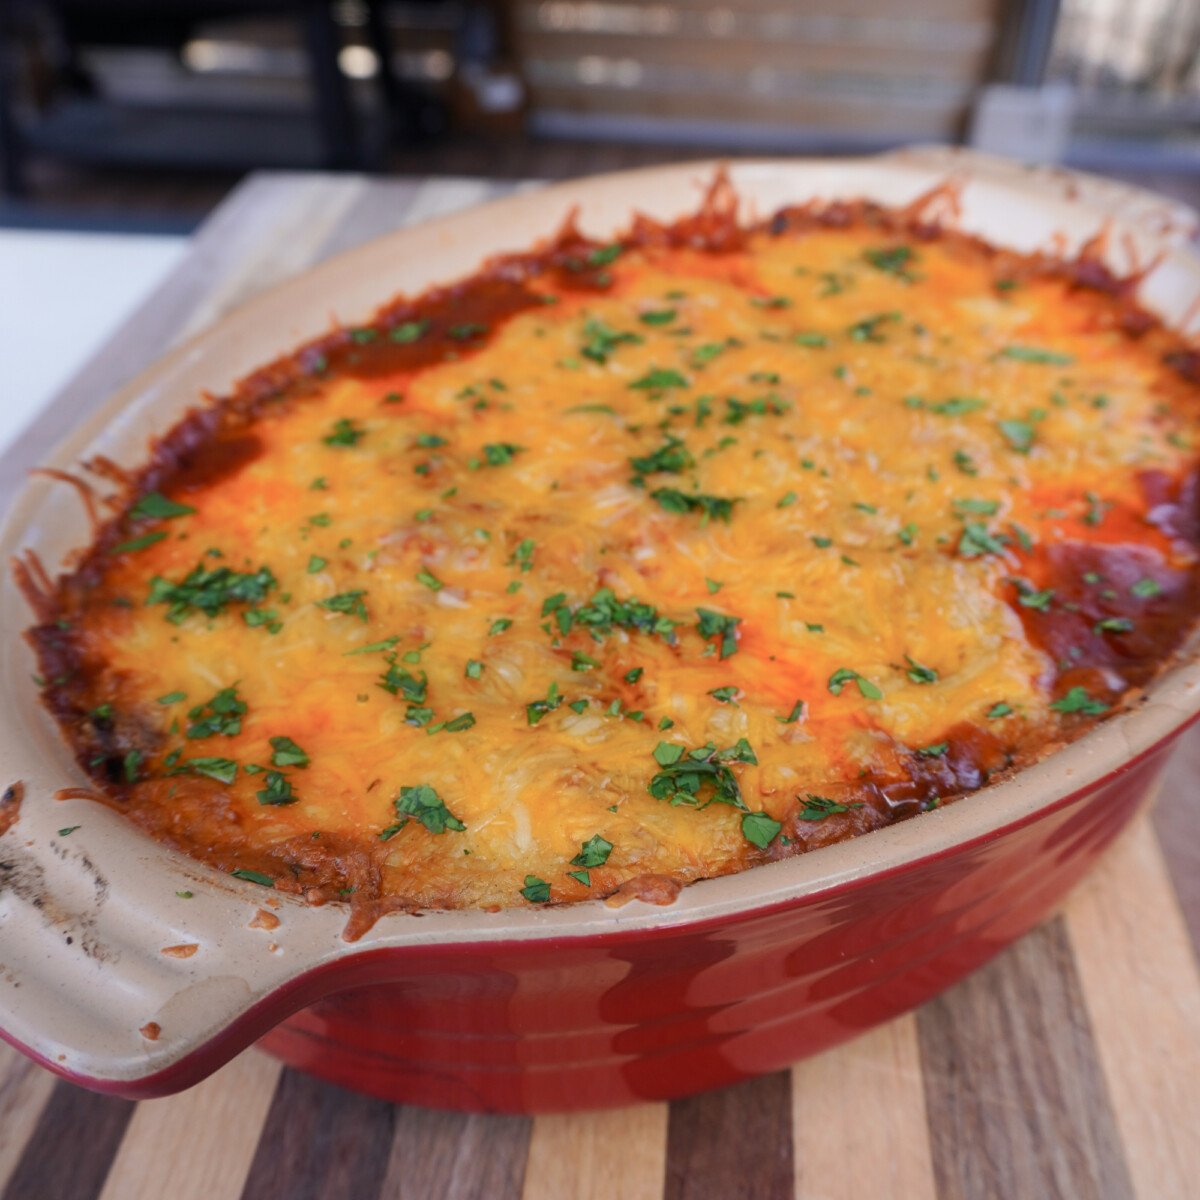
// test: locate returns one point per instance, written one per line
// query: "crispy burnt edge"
(335, 867)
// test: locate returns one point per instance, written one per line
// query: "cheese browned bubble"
(696, 560)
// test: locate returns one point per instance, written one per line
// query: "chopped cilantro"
(794, 716)
(431, 581)
(408, 331)
(715, 624)
(499, 625)
(251, 877)
(867, 330)
(699, 777)
(817, 808)
(601, 256)
(672, 457)
(983, 508)
(1077, 700)
(810, 339)
(661, 316)
(400, 682)
(892, 260)
(276, 790)
(171, 698)
(918, 673)
(956, 406)
(350, 603)
(138, 543)
(158, 507)
(999, 710)
(1113, 625)
(602, 340)
(593, 853)
(717, 508)
(657, 379)
(208, 592)
(786, 500)
(537, 709)
(220, 715)
(473, 669)
(964, 462)
(1020, 435)
(1145, 588)
(1096, 509)
(724, 695)
(423, 803)
(373, 647)
(131, 766)
(760, 829)
(844, 675)
(496, 454)
(223, 770)
(316, 563)
(285, 753)
(345, 433)
(1029, 597)
(1031, 354)
(536, 891)
(977, 541)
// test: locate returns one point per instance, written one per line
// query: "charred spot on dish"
(10, 805)
(631, 562)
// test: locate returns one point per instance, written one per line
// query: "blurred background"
(138, 115)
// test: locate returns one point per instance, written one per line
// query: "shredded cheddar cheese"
(688, 559)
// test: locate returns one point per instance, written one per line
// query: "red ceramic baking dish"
(129, 969)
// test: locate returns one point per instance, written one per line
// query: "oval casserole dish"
(572, 1007)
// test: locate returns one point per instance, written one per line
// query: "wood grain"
(71, 1148)
(436, 1154)
(320, 1142)
(25, 1090)
(197, 1146)
(1141, 989)
(858, 1119)
(1017, 1103)
(735, 1143)
(619, 1154)
(1177, 822)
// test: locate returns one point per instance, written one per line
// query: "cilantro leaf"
(844, 675)
(1077, 700)
(593, 853)
(285, 753)
(817, 808)
(715, 624)
(425, 805)
(208, 592)
(220, 715)
(158, 507)
(760, 829)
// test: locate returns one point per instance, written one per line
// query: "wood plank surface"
(1067, 1067)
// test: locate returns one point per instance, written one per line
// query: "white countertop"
(61, 296)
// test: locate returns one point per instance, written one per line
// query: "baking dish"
(570, 1007)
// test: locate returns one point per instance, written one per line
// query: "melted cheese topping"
(850, 447)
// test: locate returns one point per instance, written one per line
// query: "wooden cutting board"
(1069, 1067)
